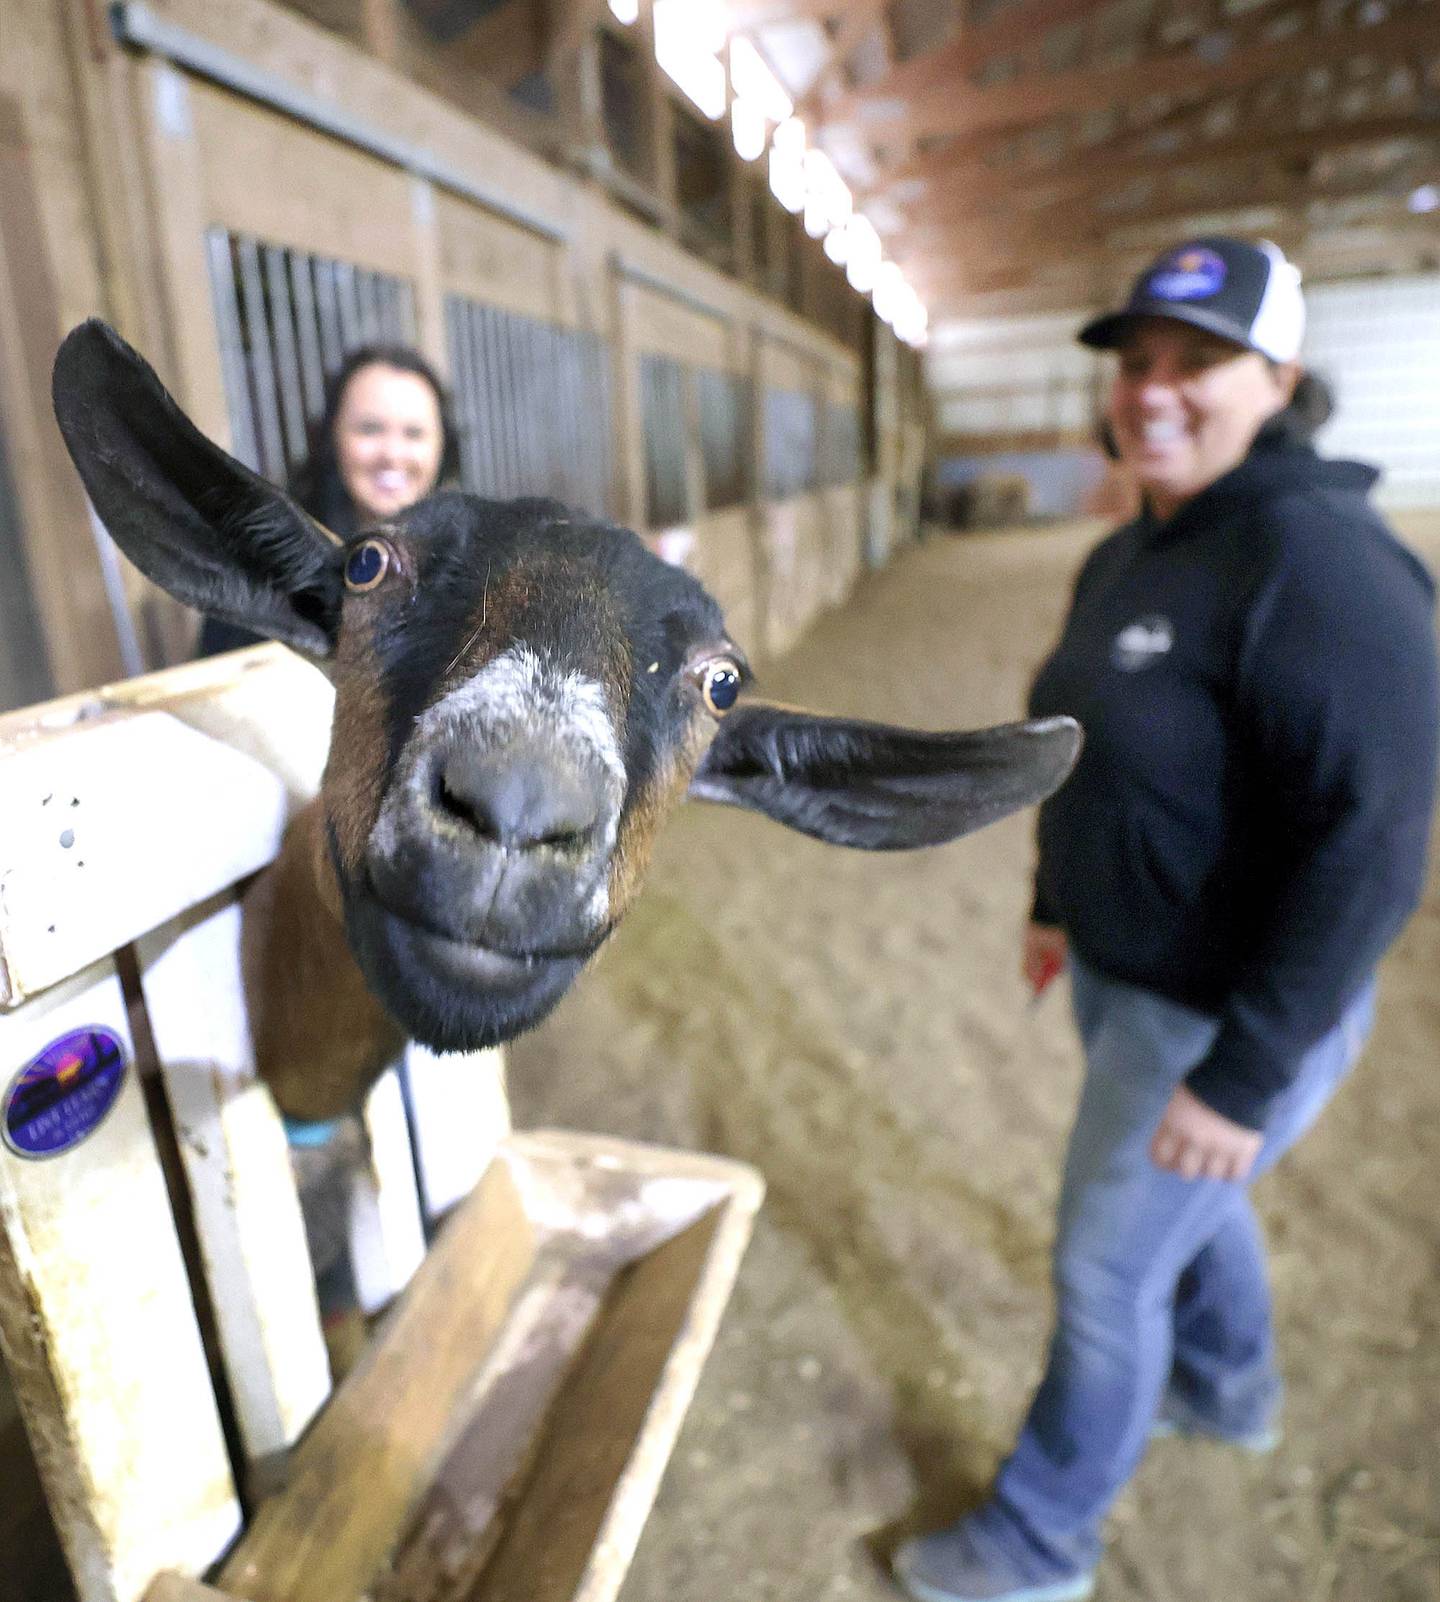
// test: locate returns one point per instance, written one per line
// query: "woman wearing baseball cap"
(1253, 660)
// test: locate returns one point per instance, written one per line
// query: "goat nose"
(518, 800)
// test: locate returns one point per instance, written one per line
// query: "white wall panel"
(1378, 342)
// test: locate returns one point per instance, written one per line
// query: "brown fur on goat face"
(522, 694)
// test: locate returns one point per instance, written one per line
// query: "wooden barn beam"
(1091, 174)
(943, 69)
(960, 109)
(1078, 221)
(860, 17)
(568, 24)
(1323, 248)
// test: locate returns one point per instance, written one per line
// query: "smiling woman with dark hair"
(384, 440)
(1253, 661)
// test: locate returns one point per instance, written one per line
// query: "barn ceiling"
(1026, 156)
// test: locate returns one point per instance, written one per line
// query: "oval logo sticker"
(1188, 275)
(64, 1093)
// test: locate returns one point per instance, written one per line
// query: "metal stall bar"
(371, 319)
(232, 347)
(262, 366)
(287, 359)
(312, 365)
(327, 305)
(347, 299)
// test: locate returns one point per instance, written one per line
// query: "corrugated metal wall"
(1378, 342)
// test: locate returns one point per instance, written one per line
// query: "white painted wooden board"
(237, 1165)
(459, 1114)
(120, 810)
(387, 1236)
(97, 1323)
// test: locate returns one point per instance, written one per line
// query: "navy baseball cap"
(1241, 291)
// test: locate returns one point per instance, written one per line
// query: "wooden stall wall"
(214, 183)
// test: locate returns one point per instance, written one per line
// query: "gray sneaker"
(1177, 1418)
(951, 1566)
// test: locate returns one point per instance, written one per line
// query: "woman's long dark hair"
(1306, 413)
(316, 482)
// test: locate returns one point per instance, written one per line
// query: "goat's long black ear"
(201, 524)
(876, 787)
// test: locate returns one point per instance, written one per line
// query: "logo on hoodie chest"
(1142, 643)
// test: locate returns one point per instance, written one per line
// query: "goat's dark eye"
(367, 564)
(720, 685)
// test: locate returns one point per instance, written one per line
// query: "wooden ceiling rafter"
(859, 19)
(1367, 242)
(1014, 29)
(1034, 99)
(1065, 194)
(1187, 214)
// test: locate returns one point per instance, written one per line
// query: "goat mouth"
(466, 959)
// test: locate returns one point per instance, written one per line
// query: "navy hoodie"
(1245, 831)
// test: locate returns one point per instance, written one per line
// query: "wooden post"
(96, 1319)
(659, 122)
(70, 593)
(237, 1167)
(429, 286)
(177, 182)
(737, 176)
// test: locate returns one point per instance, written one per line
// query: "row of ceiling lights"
(690, 40)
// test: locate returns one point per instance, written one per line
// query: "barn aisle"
(855, 1027)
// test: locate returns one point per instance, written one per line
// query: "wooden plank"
(498, 262)
(69, 589)
(174, 163)
(667, 326)
(1032, 98)
(459, 1114)
(331, 200)
(451, 1537)
(611, 1432)
(955, 190)
(237, 1166)
(387, 1233)
(311, 58)
(1013, 29)
(429, 277)
(451, 1450)
(177, 1588)
(96, 1319)
(93, 853)
(363, 1466)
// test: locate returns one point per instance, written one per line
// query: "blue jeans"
(1159, 1280)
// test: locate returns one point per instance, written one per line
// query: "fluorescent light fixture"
(827, 190)
(888, 293)
(689, 35)
(749, 129)
(625, 11)
(1425, 198)
(862, 252)
(787, 164)
(752, 80)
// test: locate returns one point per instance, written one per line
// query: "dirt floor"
(855, 1027)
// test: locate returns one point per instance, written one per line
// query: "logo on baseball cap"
(1241, 291)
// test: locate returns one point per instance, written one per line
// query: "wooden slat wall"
(134, 160)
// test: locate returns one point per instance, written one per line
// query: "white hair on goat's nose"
(517, 691)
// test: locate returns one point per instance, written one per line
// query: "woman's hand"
(1197, 1142)
(1043, 956)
